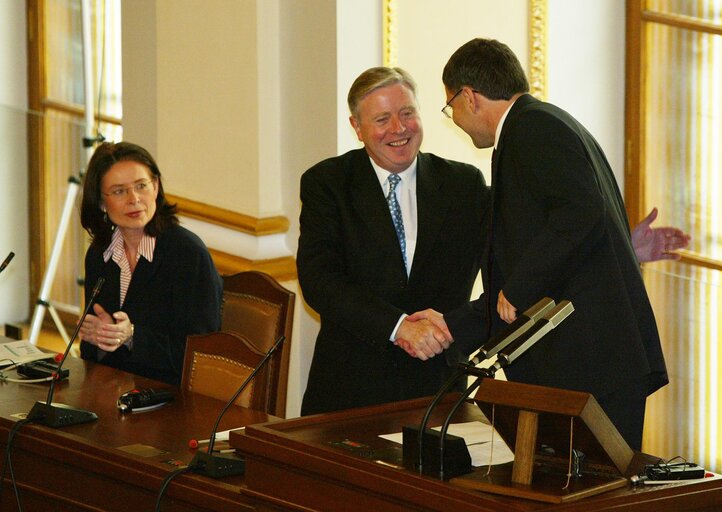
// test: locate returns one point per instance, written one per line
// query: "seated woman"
(160, 282)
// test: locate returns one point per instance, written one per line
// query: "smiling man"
(386, 230)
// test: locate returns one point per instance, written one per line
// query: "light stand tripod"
(74, 183)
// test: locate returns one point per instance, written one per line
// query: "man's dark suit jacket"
(178, 294)
(560, 230)
(351, 272)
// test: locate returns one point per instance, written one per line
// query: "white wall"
(359, 41)
(586, 69)
(14, 281)
(428, 33)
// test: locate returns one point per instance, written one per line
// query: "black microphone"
(61, 415)
(512, 331)
(222, 465)
(7, 260)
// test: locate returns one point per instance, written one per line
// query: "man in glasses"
(560, 230)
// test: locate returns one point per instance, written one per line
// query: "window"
(674, 162)
(56, 129)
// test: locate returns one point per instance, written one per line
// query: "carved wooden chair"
(216, 364)
(260, 310)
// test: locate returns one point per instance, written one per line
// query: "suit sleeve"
(469, 323)
(196, 293)
(322, 268)
(550, 161)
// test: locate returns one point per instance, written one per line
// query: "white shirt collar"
(145, 248)
(407, 174)
(501, 124)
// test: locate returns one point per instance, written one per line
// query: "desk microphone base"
(217, 465)
(59, 415)
(457, 460)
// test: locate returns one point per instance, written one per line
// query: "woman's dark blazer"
(178, 294)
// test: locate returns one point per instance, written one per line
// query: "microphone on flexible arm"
(61, 415)
(413, 440)
(523, 342)
(7, 260)
(513, 330)
(546, 323)
(221, 465)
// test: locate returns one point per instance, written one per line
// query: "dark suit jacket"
(560, 230)
(178, 294)
(351, 272)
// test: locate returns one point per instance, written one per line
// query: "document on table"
(19, 351)
(478, 438)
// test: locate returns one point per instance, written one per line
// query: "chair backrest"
(256, 307)
(216, 364)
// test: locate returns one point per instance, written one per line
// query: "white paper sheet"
(16, 352)
(478, 438)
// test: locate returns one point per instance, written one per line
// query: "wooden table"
(337, 462)
(118, 462)
(301, 464)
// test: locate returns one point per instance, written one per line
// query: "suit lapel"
(431, 206)
(519, 104)
(143, 274)
(368, 200)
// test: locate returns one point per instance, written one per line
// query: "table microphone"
(221, 465)
(61, 415)
(552, 317)
(490, 348)
(7, 260)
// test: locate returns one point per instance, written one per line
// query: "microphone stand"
(451, 381)
(60, 415)
(482, 373)
(489, 349)
(222, 465)
(552, 317)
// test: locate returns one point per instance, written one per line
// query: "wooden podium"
(565, 447)
(337, 461)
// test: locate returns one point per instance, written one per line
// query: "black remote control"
(136, 399)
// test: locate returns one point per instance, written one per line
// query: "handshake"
(424, 334)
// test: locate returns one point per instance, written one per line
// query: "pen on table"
(229, 450)
(387, 464)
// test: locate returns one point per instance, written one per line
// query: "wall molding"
(229, 219)
(282, 269)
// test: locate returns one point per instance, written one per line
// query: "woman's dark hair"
(93, 218)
